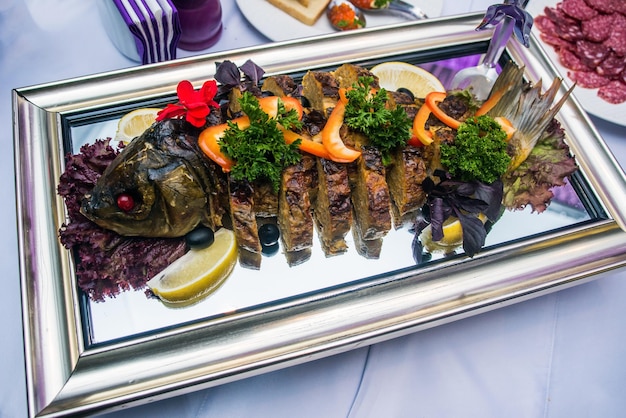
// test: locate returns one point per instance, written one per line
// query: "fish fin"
(529, 110)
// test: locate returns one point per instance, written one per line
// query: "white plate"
(279, 26)
(588, 98)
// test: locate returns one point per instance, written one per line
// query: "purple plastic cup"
(200, 22)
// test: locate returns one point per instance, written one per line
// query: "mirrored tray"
(84, 356)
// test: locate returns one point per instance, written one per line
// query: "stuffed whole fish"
(160, 185)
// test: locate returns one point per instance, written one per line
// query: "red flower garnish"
(194, 105)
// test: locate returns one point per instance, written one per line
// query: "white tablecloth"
(561, 355)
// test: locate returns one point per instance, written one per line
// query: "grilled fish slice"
(295, 218)
(321, 90)
(265, 200)
(348, 74)
(370, 195)
(244, 223)
(370, 248)
(333, 207)
(405, 175)
(371, 201)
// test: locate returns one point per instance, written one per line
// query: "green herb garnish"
(478, 152)
(367, 112)
(260, 150)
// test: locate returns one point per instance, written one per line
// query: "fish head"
(149, 190)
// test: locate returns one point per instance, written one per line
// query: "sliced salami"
(570, 32)
(578, 9)
(604, 6)
(591, 53)
(617, 39)
(557, 42)
(597, 29)
(554, 14)
(619, 6)
(588, 79)
(571, 61)
(612, 66)
(589, 37)
(545, 25)
(565, 26)
(614, 92)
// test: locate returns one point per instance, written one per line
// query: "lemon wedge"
(134, 123)
(198, 272)
(393, 75)
(452, 235)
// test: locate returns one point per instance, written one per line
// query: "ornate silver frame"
(66, 377)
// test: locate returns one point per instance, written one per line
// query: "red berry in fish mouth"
(125, 202)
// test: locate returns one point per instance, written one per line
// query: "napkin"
(143, 30)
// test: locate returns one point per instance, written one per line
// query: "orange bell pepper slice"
(491, 102)
(306, 145)
(331, 139)
(270, 105)
(209, 142)
(343, 95)
(420, 135)
(506, 126)
(432, 101)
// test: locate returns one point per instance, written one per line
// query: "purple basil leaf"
(474, 206)
(227, 73)
(492, 194)
(474, 234)
(428, 185)
(252, 71)
(466, 188)
(438, 215)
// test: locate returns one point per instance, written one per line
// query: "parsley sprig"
(260, 151)
(368, 113)
(479, 151)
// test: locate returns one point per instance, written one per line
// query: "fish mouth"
(103, 210)
(87, 207)
(108, 217)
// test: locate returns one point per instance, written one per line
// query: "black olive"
(270, 250)
(268, 234)
(199, 238)
(305, 102)
(407, 92)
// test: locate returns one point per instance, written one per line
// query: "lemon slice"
(198, 272)
(395, 74)
(134, 123)
(452, 235)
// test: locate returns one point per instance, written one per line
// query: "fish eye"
(125, 202)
